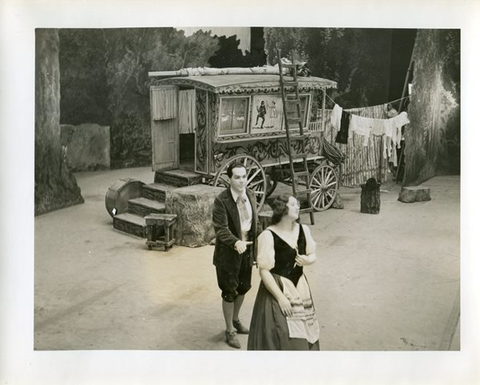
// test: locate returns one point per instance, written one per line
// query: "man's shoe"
(231, 339)
(240, 328)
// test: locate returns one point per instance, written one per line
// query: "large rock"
(86, 146)
(193, 206)
(414, 194)
(338, 202)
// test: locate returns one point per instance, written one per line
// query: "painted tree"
(55, 186)
(432, 141)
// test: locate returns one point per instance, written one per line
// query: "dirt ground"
(381, 282)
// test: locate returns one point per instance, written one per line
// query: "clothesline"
(393, 101)
(390, 129)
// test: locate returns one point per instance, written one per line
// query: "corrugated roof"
(245, 83)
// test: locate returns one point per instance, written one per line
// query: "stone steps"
(144, 206)
(130, 223)
(152, 200)
(156, 191)
(178, 178)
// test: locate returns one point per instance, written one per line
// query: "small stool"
(155, 223)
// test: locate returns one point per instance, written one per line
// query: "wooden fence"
(362, 162)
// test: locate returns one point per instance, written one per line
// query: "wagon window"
(233, 115)
(304, 108)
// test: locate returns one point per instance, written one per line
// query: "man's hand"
(241, 246)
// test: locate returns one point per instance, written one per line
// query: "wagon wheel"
(256, 178)
(324, 187)
(271, 182)
(271, 186)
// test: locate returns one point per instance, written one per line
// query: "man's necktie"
(242, 209)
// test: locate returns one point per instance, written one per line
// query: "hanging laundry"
(336, 116)
(378, 127)
(399, 121)
(342, 134)
(362, 126)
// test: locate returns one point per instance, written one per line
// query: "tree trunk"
(433, 105)
(55, 186)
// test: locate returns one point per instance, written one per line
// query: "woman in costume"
(284, 315)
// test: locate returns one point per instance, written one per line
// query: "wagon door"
(164, 111)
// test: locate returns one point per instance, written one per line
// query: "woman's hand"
(302, 260)
(285, 306)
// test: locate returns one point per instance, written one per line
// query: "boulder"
(86, 147)
(414, 194)
(193, 206)
(338, 202)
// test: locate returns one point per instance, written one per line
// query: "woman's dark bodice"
(285, 257)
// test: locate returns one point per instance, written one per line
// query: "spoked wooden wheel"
(271, 182)
(324, 187)
(256, 178)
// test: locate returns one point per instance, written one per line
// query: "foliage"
(83, 82)
(358, 59)
(132, 53)
(287, 40)
(105, 80)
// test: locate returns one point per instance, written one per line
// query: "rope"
(391, 102)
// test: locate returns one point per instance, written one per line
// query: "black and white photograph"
(196, 198)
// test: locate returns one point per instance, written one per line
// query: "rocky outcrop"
(193, 206)
(414, 194)
(338, 202)
(86, 147)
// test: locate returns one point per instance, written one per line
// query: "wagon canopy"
(237, 84)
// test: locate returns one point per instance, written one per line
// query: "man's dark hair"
(234, 165)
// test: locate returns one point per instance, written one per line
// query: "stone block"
(338, 202)
(414, 194)
(86, 147)
(193, 206)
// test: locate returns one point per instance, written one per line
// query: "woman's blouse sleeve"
(311, 245)
(266, 251)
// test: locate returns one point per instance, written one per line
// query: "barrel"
(119, 193)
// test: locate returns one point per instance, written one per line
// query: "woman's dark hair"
(234, 165)
(279, 207)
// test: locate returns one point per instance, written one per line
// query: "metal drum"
(119, 193)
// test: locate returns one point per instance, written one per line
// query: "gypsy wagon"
(201, 124)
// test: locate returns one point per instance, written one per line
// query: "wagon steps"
(295, 133)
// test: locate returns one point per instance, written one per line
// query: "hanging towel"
(336, 116)
(342, 135)
(362, 126)
(378, 127)
(399, 121)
